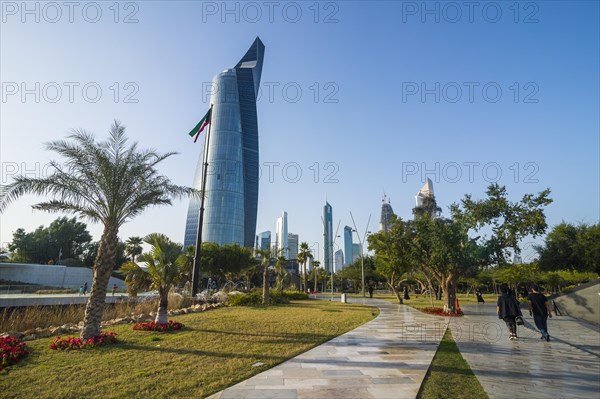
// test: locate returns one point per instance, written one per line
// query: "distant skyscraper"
(264, 240)
(328, 237)
(386, 214)
(293, 246)
(347, 245)
(231, 200)
(281, 236)
(355, 252)
(425, 191)
(339, 260)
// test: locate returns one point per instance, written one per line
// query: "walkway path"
(566, 367)
(385, 358)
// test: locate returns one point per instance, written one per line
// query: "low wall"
(52, 275)
(582, 302)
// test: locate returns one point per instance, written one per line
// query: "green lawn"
(216, 349)
(450, 376)
(424, 301)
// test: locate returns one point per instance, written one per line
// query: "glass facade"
(328, 237)
(347, 245)
(231, 199)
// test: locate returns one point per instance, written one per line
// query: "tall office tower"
(328, 237)
(264, 240)
(339, 260)
(355, 252)
(231, 198)
(292, 246)
(347, 245)
(425, 192)
(281, 236)
(386, 214)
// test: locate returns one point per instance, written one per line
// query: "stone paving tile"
(565, 367)
(386, 358)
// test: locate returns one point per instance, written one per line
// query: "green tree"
(107, 182)
(280, 272)
(316, 274)
(571, 247)
(164, 269)
(394, 254)
(304, 254)
(444, 251)
(133, 247)
(136, 279)
(64, 238)
(510, 222)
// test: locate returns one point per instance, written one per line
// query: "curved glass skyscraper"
(231, 200)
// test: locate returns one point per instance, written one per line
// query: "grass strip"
(449, 375)
(215, 350)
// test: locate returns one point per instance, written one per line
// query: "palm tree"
(136, 278)
(280, 270)
(107, 182)
(265, 255)
(133, 247)
(316, 265)
(303, 255)
(164, 269)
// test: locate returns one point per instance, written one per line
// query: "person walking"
(85, 288)
(370, 291)
(508, 309)
(479, 296)
(540, 309)
(114, 289)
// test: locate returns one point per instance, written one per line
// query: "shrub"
(254, 298)
(152, 326)
(75, 343)
(12, 351)
(296, 295)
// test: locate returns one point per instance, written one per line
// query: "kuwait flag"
(200, 126)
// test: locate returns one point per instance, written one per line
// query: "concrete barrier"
(52, 275)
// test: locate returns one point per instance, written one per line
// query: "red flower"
(153, 326)
(71, 343)
(12, 351)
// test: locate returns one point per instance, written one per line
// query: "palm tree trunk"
(103, 266)
(266, 285)
(304, 277)
(161, 315)
(315, 274)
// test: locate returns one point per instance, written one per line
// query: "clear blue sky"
(367, 119)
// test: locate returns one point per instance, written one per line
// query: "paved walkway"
(566, 367)
(385, 358)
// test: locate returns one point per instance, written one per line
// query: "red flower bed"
(440, 312)
(12, 351)
(152, 326)
(74, 343)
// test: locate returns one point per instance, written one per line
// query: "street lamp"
(360, 242)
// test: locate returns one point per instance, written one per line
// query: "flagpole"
(197, 255)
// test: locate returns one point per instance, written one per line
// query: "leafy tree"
(571, 247)
(133, 247)
(163, 268)
(428, 207)
(509, 221)
(65, 239)
(394, 254)
(106, 182)
(444, 251)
